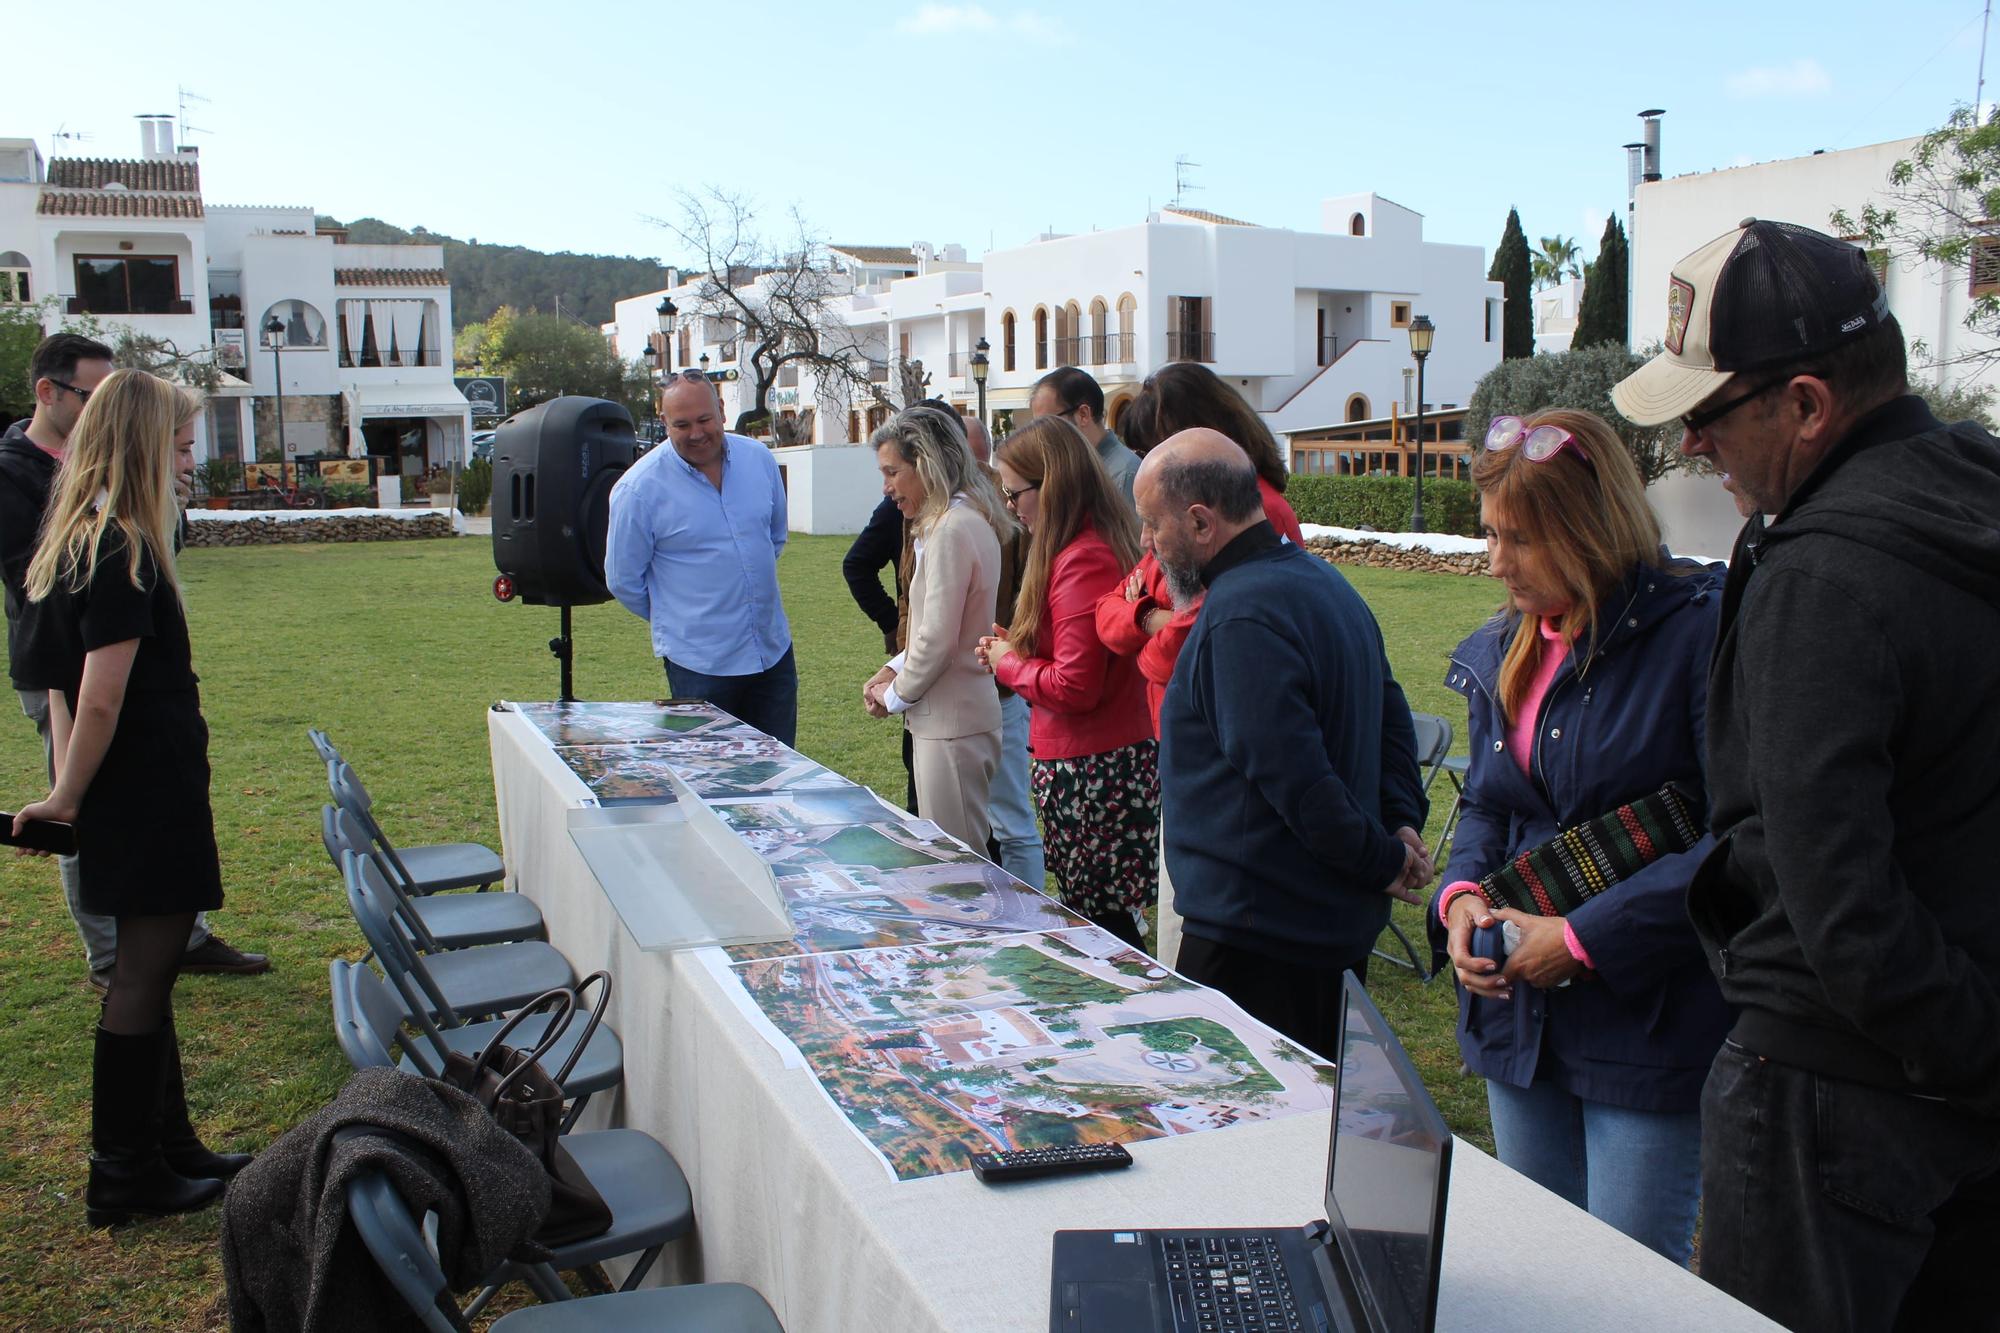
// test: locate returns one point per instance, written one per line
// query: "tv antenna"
(189, 95)
(64, 134)
(1182, 184)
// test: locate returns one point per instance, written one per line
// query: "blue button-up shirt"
(700, 565)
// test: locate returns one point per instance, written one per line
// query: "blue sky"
(565, 126)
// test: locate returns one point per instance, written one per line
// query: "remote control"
(1026, 1163)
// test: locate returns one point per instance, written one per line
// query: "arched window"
(1069, 336)
(13, 278)
(1357, 407)
(304, 326)
(1115, 413)
(1357, 225)
(1041, 337)
(1007, 341)
(1128, 317)
(1096, 349)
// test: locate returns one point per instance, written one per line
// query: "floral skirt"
(1101, 826)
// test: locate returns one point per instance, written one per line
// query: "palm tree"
(1555, 261)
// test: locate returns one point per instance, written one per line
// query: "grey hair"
(932, 440)
(1229, 487)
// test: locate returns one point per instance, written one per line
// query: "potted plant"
(217, 477)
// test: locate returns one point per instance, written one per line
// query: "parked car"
(482, 444)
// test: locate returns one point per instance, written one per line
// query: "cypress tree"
(1514, 269)
(1604, 317)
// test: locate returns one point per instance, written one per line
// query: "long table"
(790, 1201)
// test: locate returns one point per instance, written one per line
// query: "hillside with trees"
(486, 277)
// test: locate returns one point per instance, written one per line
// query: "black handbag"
(527, 1102)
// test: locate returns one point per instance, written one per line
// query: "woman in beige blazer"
(948, 701)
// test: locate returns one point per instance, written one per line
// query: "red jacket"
(1121, 624)
(1086, 701)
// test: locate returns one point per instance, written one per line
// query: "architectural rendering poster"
(935, 1052)
(631, 723)
(622, 774)
(748, 765)
(869, 886)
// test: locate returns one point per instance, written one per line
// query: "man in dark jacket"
(1851, 1125)
(1288, 763)
(62, 371)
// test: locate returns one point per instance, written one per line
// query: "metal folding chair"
(420, 871)
(1433, 744)
(445, 921)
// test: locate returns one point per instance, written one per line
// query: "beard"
(1183, 583)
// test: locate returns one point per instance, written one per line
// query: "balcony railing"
(878, 372)
(1329, 349)
(1069, 351)
(77, 305)
(1107, 349)
(1191, 345)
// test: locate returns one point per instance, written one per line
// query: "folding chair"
(447, 921)
(461, 983)
(1455, 769)
(1433, 743)
(396, 1241)
(369, 1014)
(421, 871)
(323, 743)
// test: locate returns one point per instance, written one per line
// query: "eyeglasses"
(1011, 496)
(1697, 422)
(694, 376)
(83, 395)
(1540, 444)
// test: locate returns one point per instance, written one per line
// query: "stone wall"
(331, 527)
(1382, 555)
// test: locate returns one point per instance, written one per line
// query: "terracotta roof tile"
(389, 277)
(118, 204)
(879, 254)
(94, 173)
(1203, 215)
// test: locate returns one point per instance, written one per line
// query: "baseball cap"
(1764, 294)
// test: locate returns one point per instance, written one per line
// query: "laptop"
(1371, 1267)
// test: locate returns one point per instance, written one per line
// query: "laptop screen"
(1385, 1185)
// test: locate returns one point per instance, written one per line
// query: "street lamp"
(274, 330)
(704, 365)
(670, 318)
(979, 369)
(1421, 333)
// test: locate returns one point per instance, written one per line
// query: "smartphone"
(41, 835)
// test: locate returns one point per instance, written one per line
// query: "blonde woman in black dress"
(105, 633)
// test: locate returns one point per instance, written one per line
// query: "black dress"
(145, 833)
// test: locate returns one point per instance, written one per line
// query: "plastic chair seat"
(479, 918)
(451, 865)
(601, 1066)
(713, 1307)
(649, 1197)
(495, 978)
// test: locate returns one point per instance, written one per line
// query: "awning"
(425, 398)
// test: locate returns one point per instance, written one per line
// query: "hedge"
(1383, 503)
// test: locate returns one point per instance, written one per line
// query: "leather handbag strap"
(590, 1026)
(560, 995)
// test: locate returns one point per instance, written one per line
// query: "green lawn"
(397, 649)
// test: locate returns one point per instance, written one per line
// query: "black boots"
(128, 1176)
(178, 1144)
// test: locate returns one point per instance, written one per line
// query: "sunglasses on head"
(1539, 444)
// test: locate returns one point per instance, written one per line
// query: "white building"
(1674, 217)
(1556, 310)
(363, 343)
(1311, 327)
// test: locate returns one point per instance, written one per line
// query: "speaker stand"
(564, 648)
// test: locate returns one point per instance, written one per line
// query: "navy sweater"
(1287, 760)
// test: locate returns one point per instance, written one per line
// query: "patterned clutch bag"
(1579, 863)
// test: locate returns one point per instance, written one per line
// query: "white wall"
(829, 490)
(290, 268)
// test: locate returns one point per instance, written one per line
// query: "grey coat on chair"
(290, 1257)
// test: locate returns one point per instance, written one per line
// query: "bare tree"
(781, 299)
(916, 382)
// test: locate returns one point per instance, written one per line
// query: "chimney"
(166, 138)
(1650, 135)
(148, 148)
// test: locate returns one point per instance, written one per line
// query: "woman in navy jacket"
(1586, 691)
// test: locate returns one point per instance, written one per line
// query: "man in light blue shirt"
(693, 546)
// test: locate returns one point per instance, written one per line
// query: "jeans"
(1008, 802)
(768, 700)
(100, 933)
(1639, 1171)
(1836, 1205)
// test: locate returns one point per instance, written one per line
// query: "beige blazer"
(951, 606)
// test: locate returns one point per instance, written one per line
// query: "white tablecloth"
(790, 1201)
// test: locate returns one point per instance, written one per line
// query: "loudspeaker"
(553, 469)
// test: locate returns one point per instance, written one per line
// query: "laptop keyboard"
(1229, 1284)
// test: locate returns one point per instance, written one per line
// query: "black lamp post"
(1421, 333)
(274, 329)
(670, 318)
(979, 369)
(704, 365)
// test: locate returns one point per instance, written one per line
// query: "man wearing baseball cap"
(1851, 1124)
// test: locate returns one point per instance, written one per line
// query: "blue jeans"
(1640, 1171)
(768, 700)
(1011, 808)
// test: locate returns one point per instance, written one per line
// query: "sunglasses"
(1540, 444)
(83, 395)
(1697, 422)
(1012, 496)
